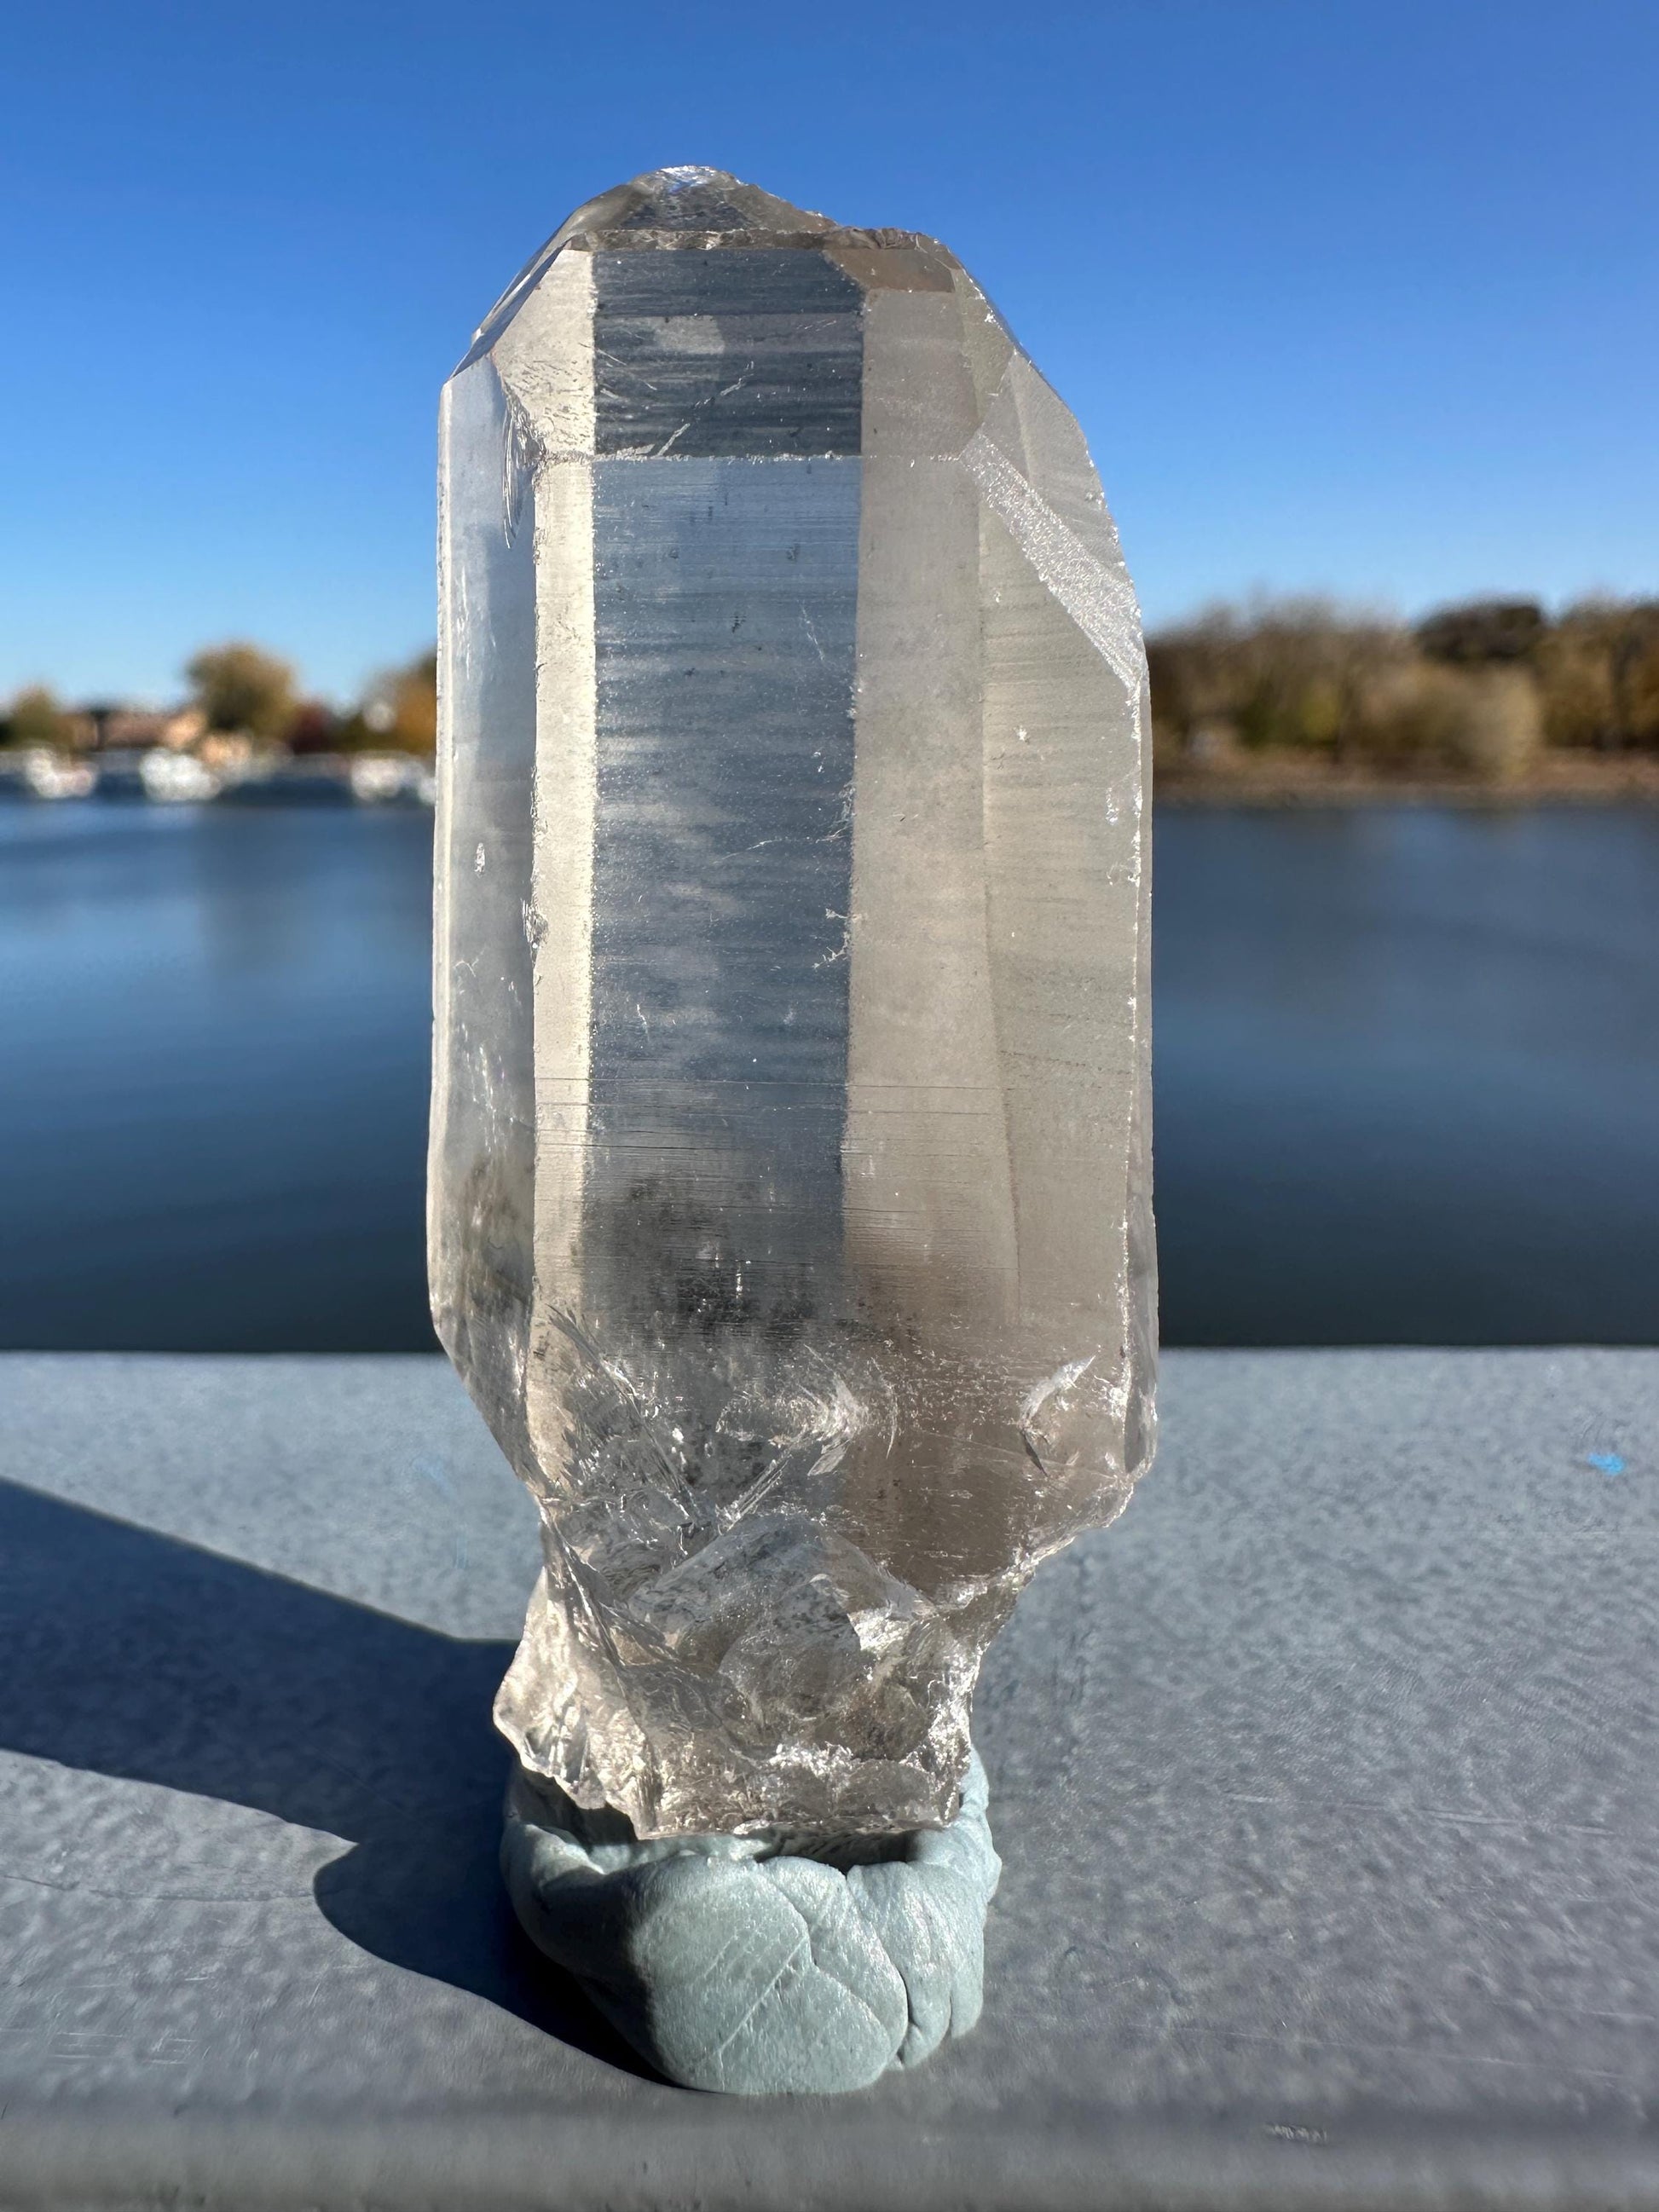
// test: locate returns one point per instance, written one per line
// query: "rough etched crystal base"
(790, 1187)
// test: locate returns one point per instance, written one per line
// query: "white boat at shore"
(174, 779)
(167, 776)
(49, 774)
(377, 777)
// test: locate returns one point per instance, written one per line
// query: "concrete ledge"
(1326, 1783)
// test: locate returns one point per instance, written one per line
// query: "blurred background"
(1357, 306)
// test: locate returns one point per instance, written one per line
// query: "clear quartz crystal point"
(790, 1198)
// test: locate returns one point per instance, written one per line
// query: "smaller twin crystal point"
(790, 1180)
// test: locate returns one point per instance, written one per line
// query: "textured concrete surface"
(1325, 1786)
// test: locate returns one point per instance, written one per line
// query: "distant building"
(114, 727)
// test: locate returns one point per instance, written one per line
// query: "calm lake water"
(1407, 1067)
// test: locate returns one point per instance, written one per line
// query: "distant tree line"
(1481, 690)
(240, 692)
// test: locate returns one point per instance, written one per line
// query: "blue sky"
(1349, 297)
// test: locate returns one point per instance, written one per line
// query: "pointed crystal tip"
(692, 198)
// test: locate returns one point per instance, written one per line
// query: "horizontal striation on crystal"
(790, 1195)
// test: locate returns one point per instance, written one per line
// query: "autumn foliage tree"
(1598, 671)
(400, 713)
(1476, 690)
(414, 704)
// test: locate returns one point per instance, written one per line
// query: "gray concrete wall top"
(1325, 1783)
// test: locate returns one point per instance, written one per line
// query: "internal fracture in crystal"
(790, 1181)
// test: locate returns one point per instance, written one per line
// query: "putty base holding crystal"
(759, 1965)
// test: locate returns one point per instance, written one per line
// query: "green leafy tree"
(36, 719)
(241, 687)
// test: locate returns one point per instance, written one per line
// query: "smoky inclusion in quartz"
(790, 1195)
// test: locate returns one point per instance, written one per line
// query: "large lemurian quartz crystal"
(790, 1215)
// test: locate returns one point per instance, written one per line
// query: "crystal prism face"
(790, 1195)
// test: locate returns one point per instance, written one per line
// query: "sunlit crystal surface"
(790, 1199)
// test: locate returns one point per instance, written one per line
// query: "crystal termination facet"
(790, 1193)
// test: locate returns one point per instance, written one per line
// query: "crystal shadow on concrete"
(146, 1659)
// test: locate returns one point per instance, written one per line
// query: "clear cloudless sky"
(1353, 296)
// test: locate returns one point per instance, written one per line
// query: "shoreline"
(1279, 783)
